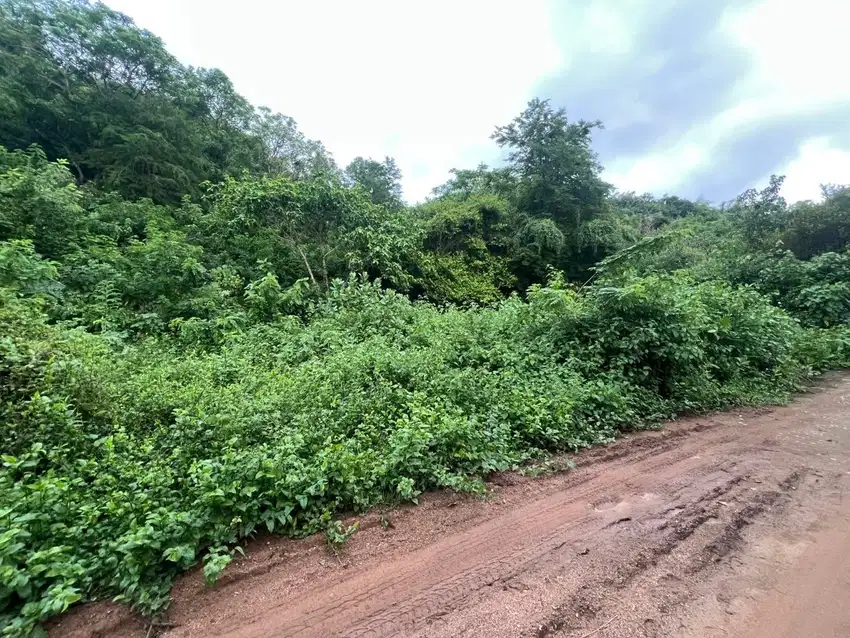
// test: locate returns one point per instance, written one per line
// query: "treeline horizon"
(174, 167)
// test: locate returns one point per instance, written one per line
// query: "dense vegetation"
(209, 329)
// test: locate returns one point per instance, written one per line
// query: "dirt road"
(733, 524)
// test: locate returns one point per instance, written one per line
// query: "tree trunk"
(309, 270)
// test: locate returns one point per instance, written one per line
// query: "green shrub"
(817, 291)
(127, 465)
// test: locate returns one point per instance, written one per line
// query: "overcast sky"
(700, 98)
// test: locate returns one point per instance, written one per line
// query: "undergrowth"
(127, 464)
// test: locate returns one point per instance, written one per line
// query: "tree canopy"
(88, 86)
(382, 180)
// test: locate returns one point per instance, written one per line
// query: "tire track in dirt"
(446, 573)
(451, 573)
(631, 537)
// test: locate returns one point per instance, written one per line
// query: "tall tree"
(481, 179)
(814, 228)
(286, 150)
(382, 180)
(315, 229)
(762, 213)
(557, 171)
(86, 84)
(224, 120)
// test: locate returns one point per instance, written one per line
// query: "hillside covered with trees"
(210, 328)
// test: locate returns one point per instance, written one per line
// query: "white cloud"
(423, 82)
(427, 82)
(657, 172)
(799, 49)
(817, 163)
(798, 52)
